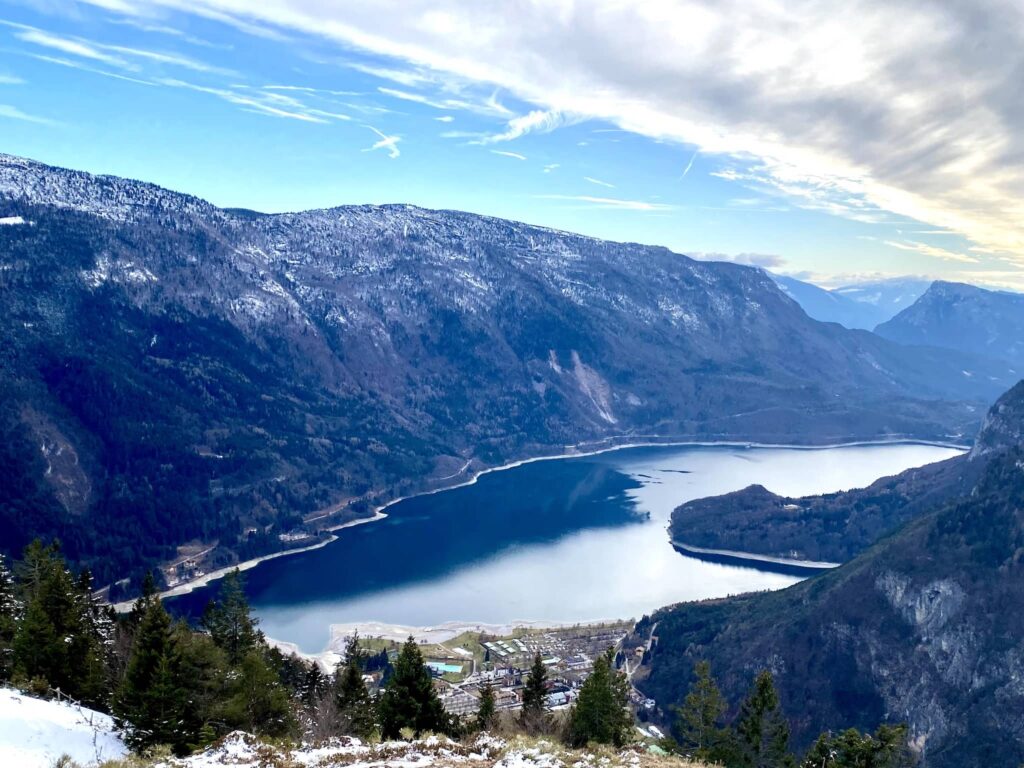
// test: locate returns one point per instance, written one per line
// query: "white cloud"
(388, 143)
(611, 202)
(865, 109)
(444, 119)
(535, 121)
(503, 153)
(764, 260)
(599, 183)
(10, 80)
(73, 47)
(933, 251)
(13, 113)
(551, 166)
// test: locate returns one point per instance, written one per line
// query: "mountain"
(179, 374)
(829, 306)
(884, 299)
(834, 527)
(963, 317)
(922, 627)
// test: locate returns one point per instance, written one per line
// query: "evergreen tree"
(10, 612)
(600, 714)
(761, 730)
(151, 704)
(410, 700)
(699, 719)
(352, 701)
(486, 714)
(533, 717)
(852, 749)
(57, 641)
(258, 702)
(315, 685)
(229, 622)
(203, 670)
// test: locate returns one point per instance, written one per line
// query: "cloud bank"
(860, 109)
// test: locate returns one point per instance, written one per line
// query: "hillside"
(834, 527)
(178, 373)
(35, 733)
(921, 628)
(884, 299)
(963, 317)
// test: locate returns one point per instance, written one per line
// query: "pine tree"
(314, 686)
(761, 730)
(699, 722)
(229, 621)
(410, 700)
(151, 704)
(57, 641)
(600, 714)
(10, 612)
(486, 714)
(259, 703)
(354, 706)
(533, 716)
(887, 748)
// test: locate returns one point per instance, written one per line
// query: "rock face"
(963, 317)
(174, 372)
(922, 628)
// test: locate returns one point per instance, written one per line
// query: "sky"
(836, 142)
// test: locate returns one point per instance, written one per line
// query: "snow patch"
(11, 220)
(34, 733)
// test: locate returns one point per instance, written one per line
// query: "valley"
(595, 525)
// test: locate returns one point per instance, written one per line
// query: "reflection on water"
(566, 540)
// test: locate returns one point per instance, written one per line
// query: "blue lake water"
(565, 540)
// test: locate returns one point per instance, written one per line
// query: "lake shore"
(582, 450)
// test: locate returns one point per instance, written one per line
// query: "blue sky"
(775, 148)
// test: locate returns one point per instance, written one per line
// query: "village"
(462, 666)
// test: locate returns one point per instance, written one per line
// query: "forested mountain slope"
(836, 526)
(963, 317)
(922, 627)
(175, 372)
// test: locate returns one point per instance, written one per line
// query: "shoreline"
(736, 557)
(437, 634)
(379, 513)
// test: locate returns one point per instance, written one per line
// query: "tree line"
(167, 683)
(758, 735)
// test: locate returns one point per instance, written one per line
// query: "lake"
(562, 540)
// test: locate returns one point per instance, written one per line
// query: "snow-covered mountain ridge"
(256, 368)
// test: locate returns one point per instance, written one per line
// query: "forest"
(180, 687)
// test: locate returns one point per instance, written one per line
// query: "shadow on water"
(429, 536)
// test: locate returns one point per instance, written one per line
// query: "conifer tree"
(258, 703)
(56, 641)
(762, 732)
(352, 701)
(410, 700)
(887, 748)
(486, 714)
(229, 622)
(151, 703)
(699, 721)
(600, 714)
(314, 686)
(533, 716)
(10, 611)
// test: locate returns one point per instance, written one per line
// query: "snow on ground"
(240, 750)
(34, 733)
